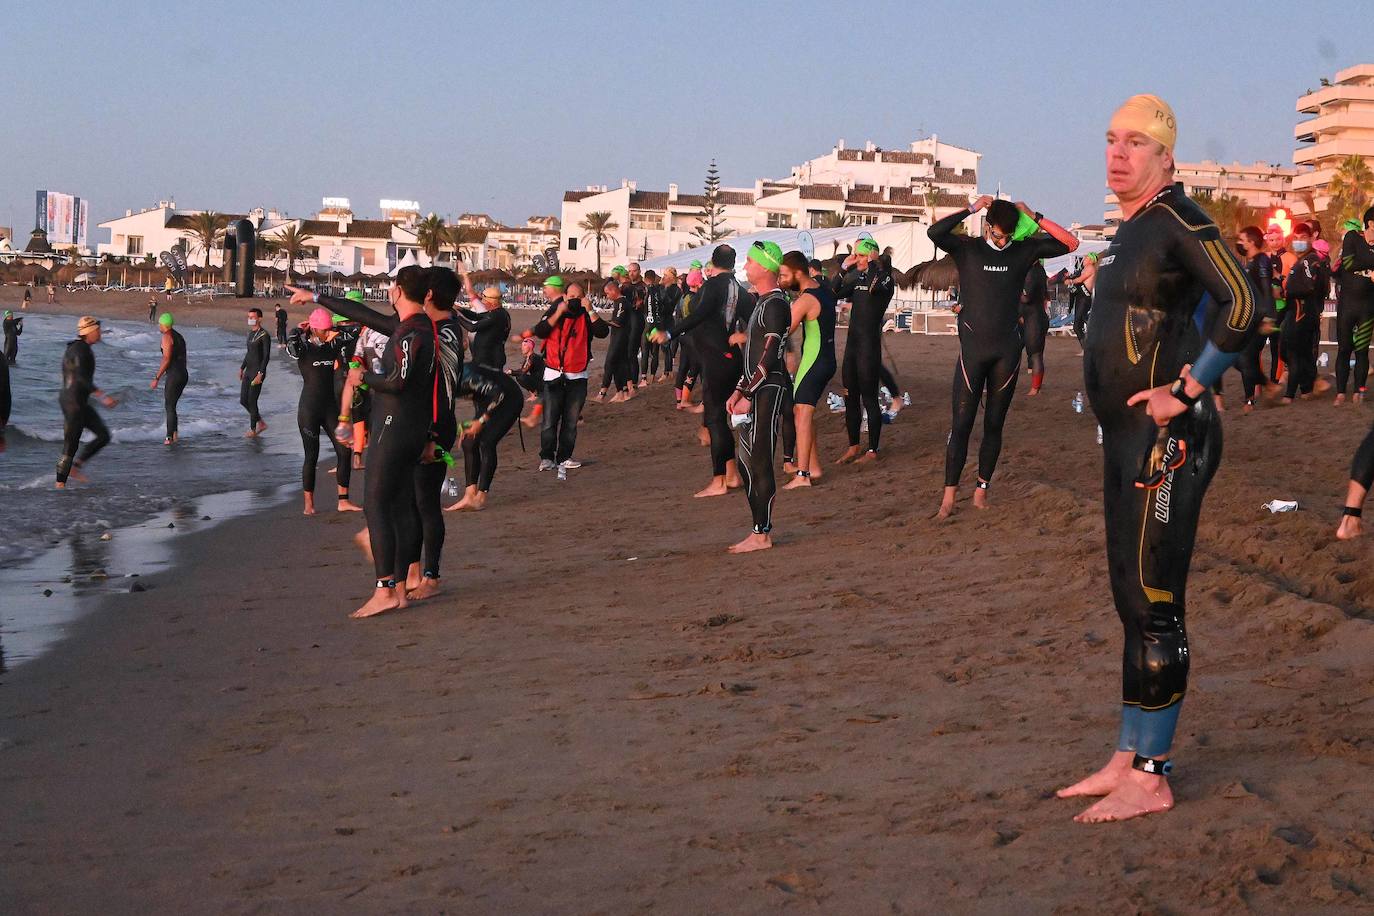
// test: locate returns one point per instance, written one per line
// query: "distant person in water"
(252, 372)
(13, 328)
(78, 387)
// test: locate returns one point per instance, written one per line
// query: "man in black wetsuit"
(1080, 286)
(869, 288)
(654, 318)
(1035, 323)
(489, 328)
(761, 395)
(992, 273)
(173, 368)
(13, 328)
(670, 294)
(280, 313)
(318, 349)
(1355, 305)
(718, 310)
(498, 401)
(617, 369)
(1147, 370)
(1306, 288)
(253, 370)
(78, 387)
(637, 293)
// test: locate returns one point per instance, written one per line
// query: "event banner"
(63, 217)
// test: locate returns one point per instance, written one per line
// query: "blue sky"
(500, 107)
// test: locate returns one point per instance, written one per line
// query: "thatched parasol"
(940, 273)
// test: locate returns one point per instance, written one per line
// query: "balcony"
(1356, 119)
(1335, 149)
(1327, 95)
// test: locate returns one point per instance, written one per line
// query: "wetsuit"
(636, 296)
(665, 318)
(498, 401)
(530, 375)
(688, 366)
(1035, 321)
(1259, 271)
(1354, 310)
(490, 330)
(990, 285)
(1306, 288)
(766, 383)
(254, 361)
(5, 397)
(78, 381)
(1149, 284)
(174, 381)
(868, 291)
(13, 328)
(281, 324)
(715, 313)
(1281, 261)
(430, 475)
(817, 366)
(318, 408)
(1081, 302)
(567, 353)
(617, 370)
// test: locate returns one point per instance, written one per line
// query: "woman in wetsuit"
(317, 350)
(813, 310)
(867, 283)
(1355, 305)
(498, 401)
(1035, 323)
(173, 367)
(1146, 370)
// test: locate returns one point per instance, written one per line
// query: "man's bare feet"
(251, 434)
(1286, 402)
(61, 485)
(716, 487)
(753, 542)
(364, 543)
(262, 427)
(696, 408)
(1104, 780)
(1340, 399)
(789, 467)
(947, 503)
(849, 455)
(1033, 392)
(618, 398)
(1350, 528)
(980, 497)
(796, 483)
(427, 588)
(347, 505)
(732, 480)
(1321, 385)
(1136, 794)
(413, 577)
(867, 457)
(474, 500)
(309, 504)
(382, 600)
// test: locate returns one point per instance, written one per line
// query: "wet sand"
(605, 713)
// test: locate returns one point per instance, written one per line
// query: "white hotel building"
(922, 183)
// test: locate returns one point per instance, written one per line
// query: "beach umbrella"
(940, 273)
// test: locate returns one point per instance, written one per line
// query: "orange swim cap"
(1151, 116)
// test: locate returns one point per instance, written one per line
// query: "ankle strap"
(1152, 766)
(1353, 511)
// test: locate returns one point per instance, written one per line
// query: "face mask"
(1300, 247)
(252, 322)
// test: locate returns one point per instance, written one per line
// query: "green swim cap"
(555, 281)
(767, 255)
(865, 246)
(9, 314)
(617, 269)
(354, 295)
(165, 319)
(336, 318)
(1352, 225)
(1026, 226)
(695, 265)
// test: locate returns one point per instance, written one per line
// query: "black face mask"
(1240, 249)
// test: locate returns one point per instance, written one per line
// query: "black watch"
(1039, 216)
(1179, 390)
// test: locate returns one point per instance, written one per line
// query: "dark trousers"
(248, 397)
(563, 401)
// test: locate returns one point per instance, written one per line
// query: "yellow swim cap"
(1151, 116)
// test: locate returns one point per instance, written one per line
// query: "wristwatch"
(1038, 216)
(1179, 390)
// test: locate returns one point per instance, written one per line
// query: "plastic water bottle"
(834, 402)
(562, 473)
(1099, 435)
(1282, 505)
(1322, 360)
(906, 398)
(1078, 402)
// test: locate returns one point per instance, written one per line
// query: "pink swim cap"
(1322, 247)
(321, 320)
(695, 279)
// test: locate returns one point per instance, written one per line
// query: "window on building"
(646, 220)
(820, 219)
(369, 257)
(572, 243)
(136, 244)
(780, 221)
(863, 219)
(1204, 193)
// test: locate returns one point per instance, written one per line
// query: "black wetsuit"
(990, 285)
(688, 366)
(318, 408)
(174, 381)
(1035, 321)
(1306, 287)
(1259, 271)
(869, 291)
(637, 295)
(1149, 284)
(664, 318)
(14, 326)
(281, 324)
(716, 311)
(78, 381)
(490, 330)
(5, 397)
(616, 372)
(767, 385)
(498, 401)
(1354, 310)
(254, 361)
(1081, 301)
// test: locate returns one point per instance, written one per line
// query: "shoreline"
(603, 711)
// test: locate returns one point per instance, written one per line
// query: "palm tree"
(1231, 214)
(458, 236)
(1349, 190)
(207, 228)
(598, 225)
(291, 243)
(831, 220)
(431, 234)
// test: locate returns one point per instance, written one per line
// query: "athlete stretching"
(762, 390)
(1146, 370)
(868, 286)
(992, 274)
(317, 350)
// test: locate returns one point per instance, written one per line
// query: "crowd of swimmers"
(1162, 314)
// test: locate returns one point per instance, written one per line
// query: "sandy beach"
(604, 713)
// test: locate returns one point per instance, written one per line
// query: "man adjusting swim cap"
(1149, 115)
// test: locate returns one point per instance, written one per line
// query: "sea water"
(136, 477)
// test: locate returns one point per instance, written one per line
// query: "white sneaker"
(546, 464)
(570, 464)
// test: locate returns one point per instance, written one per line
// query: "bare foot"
(733, 481)
(76, 474)
(750, 544)
(789, 468)
(980, 498)
(1349, 528)
(696, 408)
(947, 503)
(309, 504)
(1322, 386)
(531, 421)
(849, 455)
(1340, 399)
(796, 483)
(600, 395)
(618, 398)
(61, 485)
(715, 488)
(364, 543)
(413, 577)
(1104, 780)
(347, 505)
(703, 436)
(1286, 402)
(250, 435)
(867, 457)
(1135, 795)
(382, 600)
(1033, 392)
(427, 588)
(262, 427)
(1221, 405)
